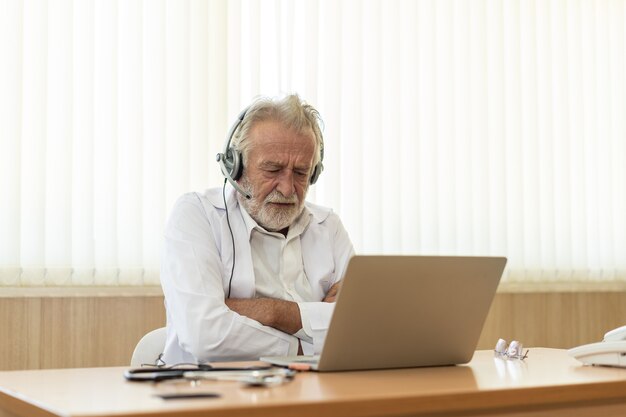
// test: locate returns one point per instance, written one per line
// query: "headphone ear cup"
(237, 164)
(317, 170)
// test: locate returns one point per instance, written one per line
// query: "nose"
(286, 185)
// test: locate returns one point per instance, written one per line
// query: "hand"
(331, 295)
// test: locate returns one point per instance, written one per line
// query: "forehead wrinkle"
(278, 146)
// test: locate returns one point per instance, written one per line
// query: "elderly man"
(252, 270)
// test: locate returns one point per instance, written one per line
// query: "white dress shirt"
(196, 269)
(278, 268)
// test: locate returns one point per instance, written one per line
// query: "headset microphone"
(220, 157)
(230, 160)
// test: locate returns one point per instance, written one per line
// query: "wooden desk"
(548, 383)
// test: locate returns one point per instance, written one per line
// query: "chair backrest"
(149, 348)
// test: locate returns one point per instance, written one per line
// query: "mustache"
(276, 197)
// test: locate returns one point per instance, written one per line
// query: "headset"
(231, 160)
(231, 165)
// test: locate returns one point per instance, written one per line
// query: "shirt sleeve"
(191, 277)
(315, 321)
(316, 316)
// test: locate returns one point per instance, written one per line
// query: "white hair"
(291, 111)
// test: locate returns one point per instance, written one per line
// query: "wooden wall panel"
(86, 330)
(553, 319)
(76, 331)
(20, 322)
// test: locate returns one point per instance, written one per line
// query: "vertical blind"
(468, 127)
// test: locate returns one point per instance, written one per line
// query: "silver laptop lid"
(408, 311)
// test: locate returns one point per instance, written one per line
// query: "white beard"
(270, 217)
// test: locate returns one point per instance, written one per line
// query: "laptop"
(406, 311)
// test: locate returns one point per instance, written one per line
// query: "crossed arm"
(282, 315)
